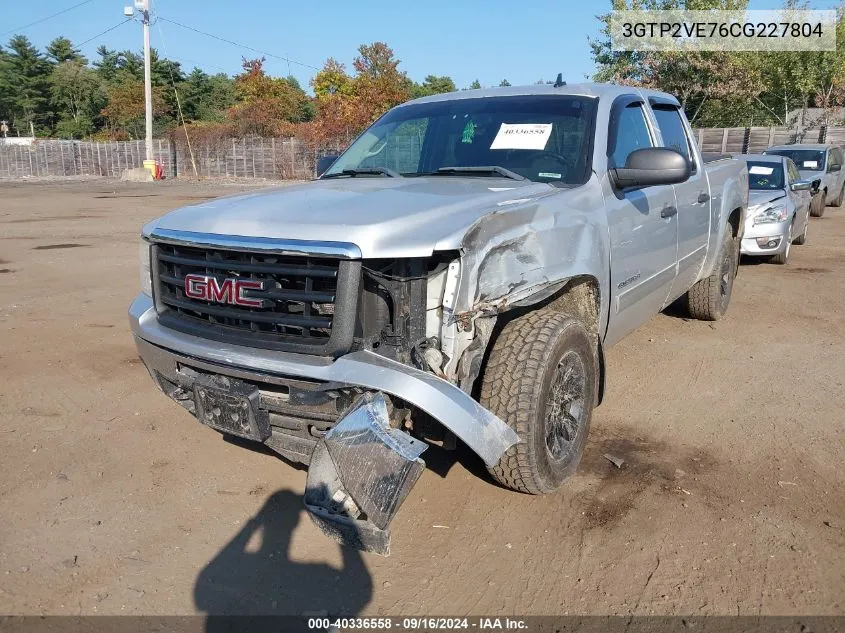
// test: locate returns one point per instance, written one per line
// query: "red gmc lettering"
(196, 286)
(241, 300)
(231, 291)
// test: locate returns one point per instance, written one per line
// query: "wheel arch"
(578, 296)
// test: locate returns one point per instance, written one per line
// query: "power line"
(111, 28)
(49, 17)
(249, 48)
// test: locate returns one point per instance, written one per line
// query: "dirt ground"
(114, 500)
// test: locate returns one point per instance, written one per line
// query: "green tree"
(475, 85)
(108, 65)
(207, 97)
(24, 78)
(61, 49)
(504, 83)
(432, 85)
(77, 97)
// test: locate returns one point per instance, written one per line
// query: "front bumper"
(779, 230)
(167, 353)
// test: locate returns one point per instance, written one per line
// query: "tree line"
(732, 89)
(58, 92)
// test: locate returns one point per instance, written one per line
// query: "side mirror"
(834, 168)
(323, 163)
(651, 166)
(801, 185)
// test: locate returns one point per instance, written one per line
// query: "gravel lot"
(115, 500)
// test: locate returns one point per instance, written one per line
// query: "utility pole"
(148, 92)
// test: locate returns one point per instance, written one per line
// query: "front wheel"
(541, 380)
(802, 239)
(783, 258)
(709, 298)
(817, 205)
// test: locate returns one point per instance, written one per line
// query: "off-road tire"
(840, 198)
(802, 239)
(709, 298)
(532, 374)
(817, 208)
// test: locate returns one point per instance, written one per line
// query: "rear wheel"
(708, 299)
(840, 198)
(541, 380)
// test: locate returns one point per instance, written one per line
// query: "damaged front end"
(360, 473)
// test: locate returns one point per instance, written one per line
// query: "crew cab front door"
(643, 227)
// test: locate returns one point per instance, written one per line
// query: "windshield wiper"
(485, 169)
(366, 171)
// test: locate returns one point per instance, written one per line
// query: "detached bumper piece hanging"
(360, 473)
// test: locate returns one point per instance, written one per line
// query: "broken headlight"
(771, 215)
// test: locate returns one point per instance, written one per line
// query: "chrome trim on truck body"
(340, 250)
(478, 428)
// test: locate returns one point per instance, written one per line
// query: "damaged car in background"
(456, 274)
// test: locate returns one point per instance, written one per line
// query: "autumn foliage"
(342, 106)
(346, 104)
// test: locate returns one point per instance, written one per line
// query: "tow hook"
(360, 473)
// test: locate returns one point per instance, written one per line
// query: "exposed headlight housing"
(771, 215)
(146, 269)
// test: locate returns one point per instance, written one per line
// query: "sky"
(466, 39)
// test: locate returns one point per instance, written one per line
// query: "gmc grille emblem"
(231, 290)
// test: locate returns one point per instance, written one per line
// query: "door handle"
(703, 197)
(668, 212)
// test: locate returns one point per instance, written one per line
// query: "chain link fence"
(290, 159)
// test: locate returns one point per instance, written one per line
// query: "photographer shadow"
(250, 579)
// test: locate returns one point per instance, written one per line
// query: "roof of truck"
(816, 146)
(581, 89)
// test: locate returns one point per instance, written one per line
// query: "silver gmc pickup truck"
(456, 273)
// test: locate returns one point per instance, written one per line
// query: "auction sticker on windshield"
(759, 169)
(522, 136)
(811, 164)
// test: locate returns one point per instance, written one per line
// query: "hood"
(810, 174)
(759, 198)
(384, 217)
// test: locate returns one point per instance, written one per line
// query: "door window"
(672, 129)
(631, 134)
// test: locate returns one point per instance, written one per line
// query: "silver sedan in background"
(778, 207)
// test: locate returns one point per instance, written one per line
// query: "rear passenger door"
(693, 197)
(642, 223)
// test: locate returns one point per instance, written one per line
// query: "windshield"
(765, 176)
(811, 159)
(544, 138)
